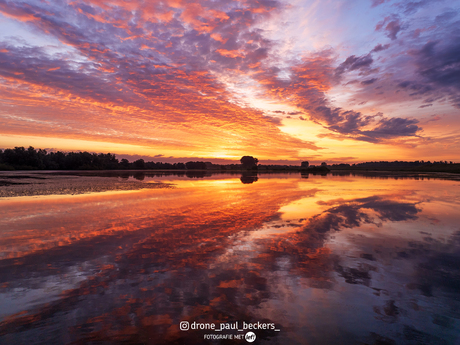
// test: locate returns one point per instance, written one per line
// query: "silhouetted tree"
(196, 165)
(249, 162)
(304, 164)
(124, 163)
(139, 164)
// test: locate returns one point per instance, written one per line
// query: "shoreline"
(35, 184)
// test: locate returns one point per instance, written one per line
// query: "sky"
(281, 80)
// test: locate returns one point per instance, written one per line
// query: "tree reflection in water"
(248, 177)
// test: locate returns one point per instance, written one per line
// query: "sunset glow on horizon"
(281, 80)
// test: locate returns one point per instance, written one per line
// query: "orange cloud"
(230, 53)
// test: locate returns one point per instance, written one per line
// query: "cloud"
(354, 124)
(354, 63)
(425, 68)
(275, 120)
(434, 118)
(392, 127)
(141, 72)
(369, 81)
(376, 3)
(411, 7)
(446, 16)
(437, 72)
(379, 48)
(392, 25)
(307, 86)
(164, 74)
(440, 64)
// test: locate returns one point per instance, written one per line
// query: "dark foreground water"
(317, 260)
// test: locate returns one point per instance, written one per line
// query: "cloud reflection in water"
(128, 267)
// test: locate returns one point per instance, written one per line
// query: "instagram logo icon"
(184, 326)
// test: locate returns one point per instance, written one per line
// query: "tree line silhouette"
(386, 164)
(20, 158)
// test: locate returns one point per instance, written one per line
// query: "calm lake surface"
(318, 260)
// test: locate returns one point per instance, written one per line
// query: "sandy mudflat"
(28, 184)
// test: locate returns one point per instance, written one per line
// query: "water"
(318, 260)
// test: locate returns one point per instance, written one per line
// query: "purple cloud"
(369, 81)
(379, 48)
(376, 3)
(440, 64)
(392, 25)
(353, 63)
(411, 7)
(391, 128)
(446, 16)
